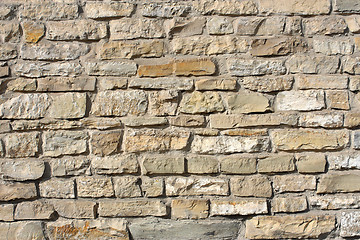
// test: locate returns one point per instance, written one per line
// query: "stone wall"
(177, 120)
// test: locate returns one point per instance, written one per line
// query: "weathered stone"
(238, 207)
(197, 164)
(276, 164)
(325, 119)
(76, 30)
(187, 120)
(74, 208)
(271, 227)
(293, 26)
(301, 139)
(158, 70)
(111, 83)
(353, 23)
(143, 121)
(333, 47)
(22, 145)
(227, 144)
(338, 99)
(53, 51)
(313, 64)
(4, 71)
(133, 49)
(334, 202)
(354, 84)
(347, 6)
(201, 102)
(267, 84)
(255, 67)
(232, 8)
(69, 166)
(310, 7)
(219, 26)
(163, 164)
(8, 51)
(256, 186)
(195, 67)
(57, 188)
(50, 11)
(184, 27)
(324, 25)
(5, 126)
(99, 10)
(292, 204)
(6, 11)
(64, 143)
(100, 123)
(322, 82)
(136, 28)
(236, 164)
(105, 143)
(204, 45)
(312, 163)
(351, 65)
(300, 100)
(236, 121)
(339, 182)
(61, 84)
(9, 32)
(111, 68)
(12, 191)
(350, 223)
(156, 140)
(248, 26)
(162, 83)
(277, 46)
(117, 164)
(120, 103)
(22, 85)
(343, 161)
(271, 26)
(94, 187)
(165, 10)
(22, 170)
(45, 124)
(189, 209)
(43, 69)
(88, 229)
(157, 228)
(33, 31)
(215, 84)
(68, 105)
(294, 183)
(130, 208)
(34, 210)
(152, 187)
(7, 212)
(127, 187)
(25, 106)
(247, 102)
(163, 103)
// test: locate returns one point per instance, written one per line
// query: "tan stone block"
(34, 210)
(105, 143)
(9, 31)
(308, 7)
(165, 10)
(276, 164)
(201, 102)
(293, 183)
(162, 83)
(352, 119)
(94, 187)
(313, 64)
(184, 27)
(245, 132)
(267, 83)
(251, 186)
(68, 105)
(241, 207)
(130, 28)
(277, 46)
(163, 164)
(219, 26)
(22, 170)
(350, 224)
(324, 25)
(57, 188)
(237, 165)
(7, 212)
(338, 99)
(43, 69)
(322, 82)
(69, 166)
(189, 208)
(195, 67)
(111, 83)
(12, 191)
(74, 208)
(22, 85)
(4, 71)
(163, 103)
(330, 46)
(129, 208)
(187, 121)
(215, 84)
(247, 102)
(100, 10)
(255, 67)
(226, 7)
(311, 163)
(22, 144)
(49, 10)
(350, 65)
(156, 70)
(321, 119)
(334, 202)
(339, 182)
(271, 227)
(115, 164)
(61, 84)
(57, 143)
(197, 164)
(8, 51)
(289, 204)
(152, 187)
(127, 187)
(143, 121)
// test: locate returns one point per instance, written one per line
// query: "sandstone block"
(277, 46)
(44, 69)
(309, 7)
(187, 120)
(57, 188)
(197, 164)
(219, 26)
(127, 187)
(59, 143)
(201, 102)
(22, 230)
(347, 6)
(131, 208)
(353, 23)
(276, 164)
(325, 120)
(184, 27)
(12, 191)
(163, 103)
(111, 83)
(49, 11)
(187, 186)
(236, 164)
(9, 32)
(251, 186)
(152, 187)
(22, 85)
(313, 64)
(333, 47)
(22, 170)
(267, 84)
(136, 28)
(339, 182)
(68, 105)
(120, 103)
(324, 25)
(195, 67)
(7, 212)
(351, 65)
(271, 26)
(33, 31)
(227, 144)
(215, 84)
(331, 202)
(350, 223)
(354, 84)
(69, 166)
(100, 123)
(111, 68)
(8, 51)
(343, 161)
(76, 30)
(144, 121)
(105, 143)
(94, 187)
(159, 70)
(338, 99)
(271, 227)
(100, 10)
(116, 164)
(312, 163)
(322, 82)
(34, 210)
(162, 83)
(189, 209)
(74, 208)
(241, 207)
(294, 183)
(22, 145)
(301, 139)
(255, 67)
(163, 164)
(248, 26)
(293, 204)
(4, 71)
(247, 102)
(232, 8)
(300, 100)
(61, 84)
(165, 10)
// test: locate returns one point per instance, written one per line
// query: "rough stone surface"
(34, 210)
(115, 164)
(312, 163)
(64, 143)
(251, 186)
(276, 164)
(251, 67)
(311, 7)
(94, 187)
(22, 145)
(22, 170)
(127, 187)
(350, 224)
(189, 209)
(316, 64)
(339, 182)
(295, 204)
(136, 28)
(202, 164)
(267, 84)
(57, 188)
(74, 208)
(68, 106)
(99, 10)
(201, 102)
(293, 183)
(237, 165)
(110, 68)
(105, 143)
(12, 191)
(247, 102)
(161, 164)
(128, 208)
(238, 207)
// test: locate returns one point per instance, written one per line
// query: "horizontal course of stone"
(177, 120)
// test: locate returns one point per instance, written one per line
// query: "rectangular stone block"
(49, 11)
(57, 188)
(59, 143)
(94, 187)
(293, 183)
(136, 28)
(276, 164)
(69, 166)
(312, 163)
(322, 82)
(198, 164)
(152, 187)
(333, 47)
(247, 102)
(194, 67)
(338, 99)
(163, 103)
(321, 119)
(189, 208)
(334, 202)
(105, 143)
(101, 10)
(7, 212)
(347, 6)
(300, 100)
(127, 187)
(163, 164)
(74, 208)
(237, 164)
(267, 83)
(115, 164)
(12, 191)
(22, 170)
(232, 8)
(339, 182)
(22, 145)
(216, 84)
(308, 7)
(289, 204)
(187, 120)
(111, 68)
(251, 186)
(132, 208)
(62, 84)
(8, 51)
(165, 10)
(241, 207)
(9, 32)
(201, 102)
(39, 210)
(344, 161)
(68, 105)
(255, 67)
(44, 69)
(324, 25)
(317, 64)
(301, 139)
(162, 83)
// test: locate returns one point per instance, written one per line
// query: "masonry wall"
(179, 119)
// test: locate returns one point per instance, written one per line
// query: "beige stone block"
(132, 208)
(200, 164)
(189, 209)
(289, 204)
(339, 182)
(163, 164)
(105, 143)
(94, 187)
(236, 164)
(57, 188)
(276, 164)
(293, 183)
(34, 210)
(241, 207)
(251, 186)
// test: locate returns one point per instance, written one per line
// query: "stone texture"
(127, 187)
(49, 11)
(162, 83)
(64, 143)
(100, 10)
(163, 164)
(251, 186)
(276, 164)
(354, 84)
(8, 51)
(65, 84)
(219, 26)
(247, 102)
(255, 67)
(293, 204)
(57, 188)
(195, 67)
(94, 187)
(277, 46)
(270, 227)
(201, 102)
(22, 145)
(13, 191)
(321, 119)
(315, 64)
(136, 28)
(343, 161)
(226, 7)
(43, 69)
(300, 100)
(158, 70)
(236, 164)
(105, 143)
(324, 25)
(267, 84)
(197, 164)
(339, 182)
(33, 31)
(128, 208)
(22, 170)
(120, 103)
(111, 83)
(322, 82)
(353, 23)
(76, 30)
(351, 65)
(34, 210)
(215, 84)
(116, 164)
(333, 202)
(22, 85)
(350, 224)
(74, 208)
(301, 139)
(184, 27)
(312, 163)
(347, 6)
(69, 166)
(189, 209)
(188, 186)
(163, 103)
(338, 99)
(111, 68)
(187, 120)
(293, 183)
(310, 7)
(144, 121)
(152, 187)
(9, 32)
(68, 105)
(166, 10)
(241, 207)
(7, 212)
(333, 47)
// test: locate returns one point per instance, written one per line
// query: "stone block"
(251, 186)
(189, 208)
